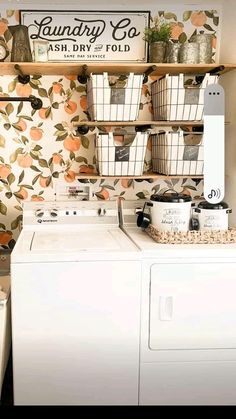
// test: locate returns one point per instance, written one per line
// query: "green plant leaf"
(81, 159)
(187, 15)
(42, 92)
(216, 20)
(21, 177)
(12, 86)
(169, 15)
(209, 14)
(2, 226)
(11, 178)
(37, 148)
(80, 89)
(43, 163)
(18, 207)
(2, 141)
(7, 126)
(16, 222)
(85, 141)
(19, 108)
(140, 195)
(14, 155)
(55, 105)
(208, 27)
(55, 174)
(182, 38)
(59, 127)
(35, 179)
(3, 208)
(48, 112)
(9, 108)
(27, 186)
(75, 118)
(8, 195)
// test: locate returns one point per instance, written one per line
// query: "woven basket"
(192, 237)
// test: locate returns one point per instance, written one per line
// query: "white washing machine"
(188, 320)
(76, 281)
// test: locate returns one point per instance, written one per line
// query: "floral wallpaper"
(41, 148)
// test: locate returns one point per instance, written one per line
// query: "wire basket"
(180, 97)
(178, 153)
(121, 155)
(114, 98)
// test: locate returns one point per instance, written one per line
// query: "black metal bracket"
(22, 78)
(83, 77)
(36, 103)
(82, 129)
(142, 128)
(150, 70)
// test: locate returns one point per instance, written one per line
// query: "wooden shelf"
(137, 123)
(70, 68)
(148, 175)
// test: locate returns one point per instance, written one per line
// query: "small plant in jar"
(157, 37)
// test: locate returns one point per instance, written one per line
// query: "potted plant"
(157, 37)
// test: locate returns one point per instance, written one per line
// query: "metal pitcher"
(20, 51)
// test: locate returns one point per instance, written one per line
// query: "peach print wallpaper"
(39, 149)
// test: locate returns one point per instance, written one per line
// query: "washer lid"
(84, 240)
(77, 245)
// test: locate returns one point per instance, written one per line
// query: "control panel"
(59, 213)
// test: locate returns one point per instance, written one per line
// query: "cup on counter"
(40, 50)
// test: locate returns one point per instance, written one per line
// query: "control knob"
(39, 213)
(54, 212)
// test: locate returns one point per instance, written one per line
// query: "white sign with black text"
(89, 36)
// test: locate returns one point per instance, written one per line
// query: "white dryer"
(76, 281)
(188, 320)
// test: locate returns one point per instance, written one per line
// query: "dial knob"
(54, 212)
(39, 213)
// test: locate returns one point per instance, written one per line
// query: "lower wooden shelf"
(148, 175)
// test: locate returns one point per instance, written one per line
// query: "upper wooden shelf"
(148, 175)
(137, 123)
(75, 68)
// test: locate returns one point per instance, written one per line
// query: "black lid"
(207, 205)
(171, 197)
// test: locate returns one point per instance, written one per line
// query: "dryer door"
(192, 306)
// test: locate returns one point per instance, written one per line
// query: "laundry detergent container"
(114, 97)
(5, 325)
(180, 97)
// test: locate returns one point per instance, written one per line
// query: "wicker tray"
(192, 237)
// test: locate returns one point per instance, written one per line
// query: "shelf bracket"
(22, 78)
(83, 77)
(36, 103)
(150, 70)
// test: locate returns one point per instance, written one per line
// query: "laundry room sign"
(91, 36)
